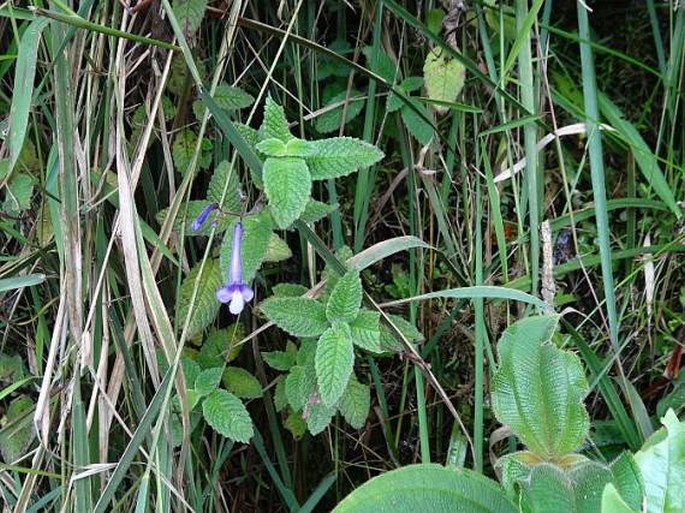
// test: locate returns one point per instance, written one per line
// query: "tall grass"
(95, 192)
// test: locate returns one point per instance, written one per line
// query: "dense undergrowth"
(533, 146)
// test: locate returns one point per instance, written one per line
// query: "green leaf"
(19, 282)
(355, 403)
(345, 298)
(208, 380)
(628, 479)
(299, 385)
(280, 397)
(547, 489)
(612, 502)
(280, 360)
(277, 249)
(415, 121)
(295, 424)
(289, 290)
(227, 415)
(248, 133)
(287, 185)
(662, 464)
(334, 362)
(301, 317)
(538, 389)
(206, 305)
(340, 156)
(272, 147)
(224, 173)
(331, 120)
(191, 369)
(409, 84)
(428, 488)
(221, 346)
(18, 193)
(307, 352)
(231, 98)
(381, 63)
(388, 343)
(444, 77)
(275, 125)
(183, 149)
(257, 230)
(189, 14)
(16, 436)
(241, 383)
(316, 210)
(318, 417)
(366, 331)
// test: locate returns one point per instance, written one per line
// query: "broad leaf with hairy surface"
(206, 305)
(299, 316)
(355, 403)
(339, 156)
(288, 186)
(334, 361)
(227, 415)
(223, 173)
(275, 125)
(345, 298)
(444, 77)
(241, 383)
(366, 331)
(208, 380)
(538, 389)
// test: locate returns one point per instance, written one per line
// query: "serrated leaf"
(345, 298)
(628, 479)
(275, 124)
(191, 369)
(189, 14)
(18, 193)
(380, 63)
(257, 230)
(280, 360)
(318, 417)
(411, 333)
(280, 397)
(289, 290)
(409, 84)
(183, 148)
(547, 489)
(415, 121)
(339, 156)
(248, 133)
(662, 464)
(208, 380)
(296, 148)
(316, 210)
(366, 331)
(227, 415)
(287, 185)
(298, 387)
(538, 389)
(298, 316)
(428, 488)
(17, 435)
(232, 98)
(334, 361)
(221, 346)
(242, 383)
(444, 77)
(272, 147)
(355, 403)
(224, 173)
(295, 424)
(331, 120)
(277, 249)
(206, 305)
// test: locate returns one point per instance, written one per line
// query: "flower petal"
(237, 302)
(224, 294)
(246, 292)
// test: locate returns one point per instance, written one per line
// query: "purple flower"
(199, 220)
(236, 292)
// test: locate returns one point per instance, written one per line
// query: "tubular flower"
(199, 220)
(236, 292)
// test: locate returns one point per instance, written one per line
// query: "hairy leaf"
(206, 305)
(366, 331)
(298, 316)
(275, 124)
(355, 403)
(318, 416)
(444, 77)
(287, 185)
(334, 361)
(299, 385)
(208, 380)
(189, 14)
(340, 156)
(331, 120)
(345, 298)
(228, 416)
(277, 249)
(241, 383)
(223, 173)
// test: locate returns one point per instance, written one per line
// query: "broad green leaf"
(345, 298)
(191, 369)
(248, 133)
(289, 290)
(227, 97)
(16, 436)
(414, 118)
(18, 193)
(257, 230)
(307, 353)
(434, 19)
(227, 415)
(332, 118)
(277, 249)
(428, 488)
(381, 63)
(240, 382)
(355, 403)
(272, 147)
(275, 124)
(538, 389)
(295, 424)
(588, 481)
(339, 156)
(280, 397)
(287, 185)
(444, 77)
(628, 479)
(409, 84)
(334, 362)
(316, 210)
(221, 346)
(280, 360)
(11, 367)
(183, 149)
(366, 331)
(547, 489)
(224, 173)
(388, 342)
(301, 317)
(318, 416)
(206, 305)
(662, 464)
(19, 282)
(299, 385)
(208, 380)
(612, 502)
(189, 14)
